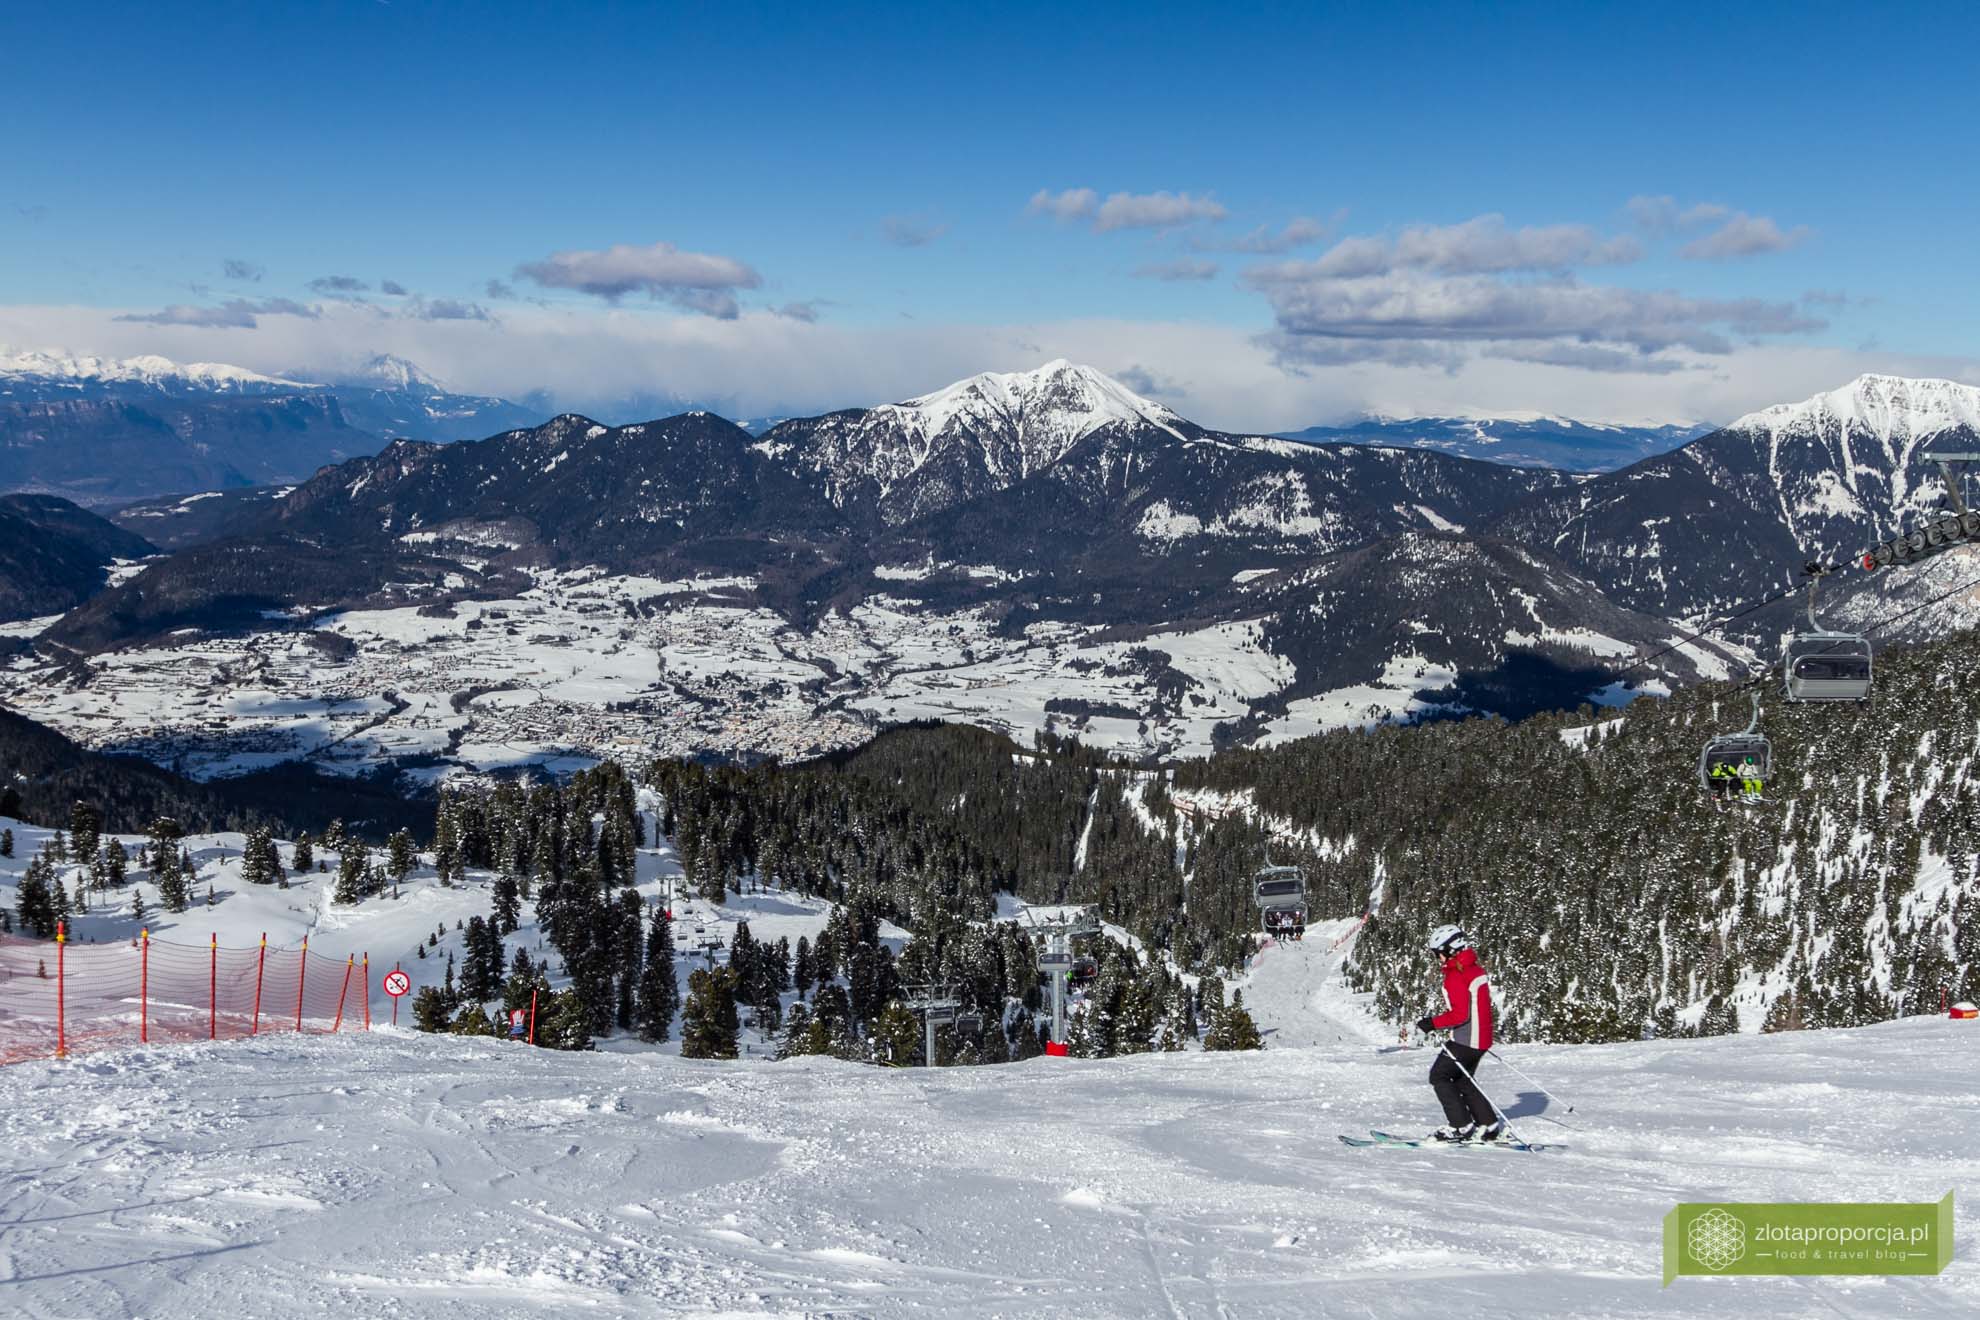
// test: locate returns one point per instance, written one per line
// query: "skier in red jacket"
(1469, 1019)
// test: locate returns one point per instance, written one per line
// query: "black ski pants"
(1463, 1102)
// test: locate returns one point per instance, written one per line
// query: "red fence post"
(350, 961)
(367, 991)
(213, 990)
(302, 974)
(144, 987)
(532, 1017)
(61, 1018)
(261, 965)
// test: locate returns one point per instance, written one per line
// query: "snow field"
(413, 1176)
(408, 1175)
(1390, 697)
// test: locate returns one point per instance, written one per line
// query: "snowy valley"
(1027, 551)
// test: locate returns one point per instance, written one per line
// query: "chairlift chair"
(1827, 666)
(1280, 893)
(1822, 665)
(1735, 750)
(1278, 886)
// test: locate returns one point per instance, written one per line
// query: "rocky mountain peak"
(1061, 396)
(1887, 407)
(387, 371)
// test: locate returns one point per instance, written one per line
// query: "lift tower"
(936, 1004)
(1056, 958)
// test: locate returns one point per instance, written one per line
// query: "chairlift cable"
(1707, 630)
(1815, 568)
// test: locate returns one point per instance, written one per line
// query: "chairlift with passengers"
(1745, 755)
(1824, 665)
(1280, 894)
(1821, 664)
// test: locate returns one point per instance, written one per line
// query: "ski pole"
(1452, 1056)
(1529, 1081)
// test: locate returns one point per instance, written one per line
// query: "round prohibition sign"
(397, 983)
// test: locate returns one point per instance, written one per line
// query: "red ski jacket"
(1470, 996)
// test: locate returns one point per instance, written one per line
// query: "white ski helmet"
(1447, 940)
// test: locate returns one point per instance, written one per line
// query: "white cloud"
(760, 362)
(1408, 305)
(698, 281)
(1072, 204)
(1590, 357)
(1743, 235)
(234, 314)
(1441, 296)
(1661, 214)
(1263, 241)
(1159, 210)
(1738, 234)
(1121, 210)
(1179, 270)
(1480, 245)
(444, 309)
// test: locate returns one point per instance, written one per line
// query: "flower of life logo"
(1716, 1240)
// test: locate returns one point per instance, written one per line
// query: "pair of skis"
(1422, 1143)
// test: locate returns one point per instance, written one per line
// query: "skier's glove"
(1426, 1025)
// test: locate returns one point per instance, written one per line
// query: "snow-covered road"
(401, 1175)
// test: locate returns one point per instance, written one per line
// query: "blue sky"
(1608, 211)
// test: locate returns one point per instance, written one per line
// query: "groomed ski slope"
(409, 1176)
(1295, 994)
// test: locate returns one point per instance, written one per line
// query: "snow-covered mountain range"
(1031, 549)
(1734, 515)
(1535, 441)
(105, 431)
(32, 375)
(393, 398)
(974, 437)
(1886, 407)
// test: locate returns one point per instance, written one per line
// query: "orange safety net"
(58, 997)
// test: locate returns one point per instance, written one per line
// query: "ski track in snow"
(396, 1174)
